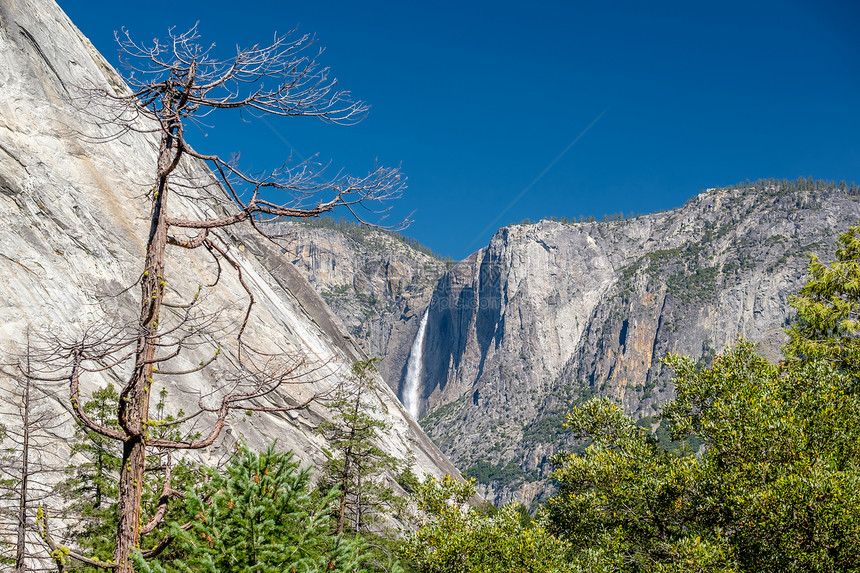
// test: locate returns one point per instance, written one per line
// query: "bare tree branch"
(174, 83)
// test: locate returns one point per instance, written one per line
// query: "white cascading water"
(413, 369)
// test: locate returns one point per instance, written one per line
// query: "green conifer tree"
(259, 516)
(828, 308)
(91, 486)
(356, 465)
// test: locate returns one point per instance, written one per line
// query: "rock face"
(376, 282)
(74, 221)
(549, 314)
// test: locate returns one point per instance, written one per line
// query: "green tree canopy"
(781, 469)
(455, 537)
(625, 504)
(828, 307)
(776, 486)
(259, 516)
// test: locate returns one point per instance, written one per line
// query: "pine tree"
(356, 465)
(828, 307)
(91, 485)
(259, 515)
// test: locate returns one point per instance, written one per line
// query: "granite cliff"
(377, 282)
(551, 313)
(74, 221)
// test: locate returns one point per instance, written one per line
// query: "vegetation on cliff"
(367, 236)
(774, 486)
(573, 311)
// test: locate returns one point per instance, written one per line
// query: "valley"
(209, 369)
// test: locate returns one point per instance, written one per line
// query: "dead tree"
(29, 467)
(174, 85)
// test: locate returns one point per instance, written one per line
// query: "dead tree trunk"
(21, 533)
(134, 400)
(26, 464)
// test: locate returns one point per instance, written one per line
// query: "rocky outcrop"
(549, 314)
(74, 211)
(376, 282)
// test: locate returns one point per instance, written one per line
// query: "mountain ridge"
(552, 312)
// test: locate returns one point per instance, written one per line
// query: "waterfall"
(413, 369)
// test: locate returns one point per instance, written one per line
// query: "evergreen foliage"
(259, 515)
(455, 537)
(91, 486)
(356, 465)
(828, 307)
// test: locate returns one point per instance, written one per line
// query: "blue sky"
(500, 111)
